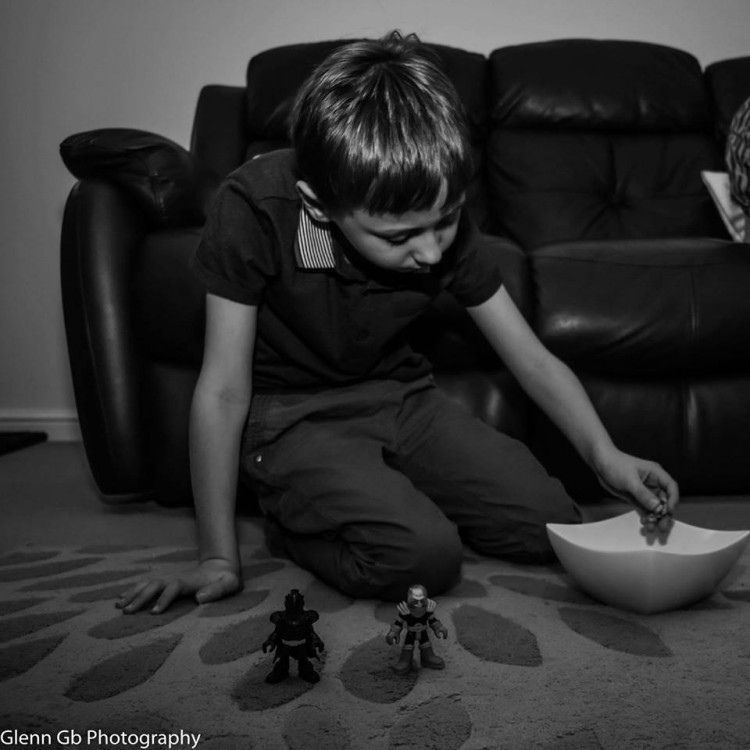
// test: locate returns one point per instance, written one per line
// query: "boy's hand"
(645, 484)
(210, 580)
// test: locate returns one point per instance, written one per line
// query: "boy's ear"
(312, 204)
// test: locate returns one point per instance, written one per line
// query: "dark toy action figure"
(416, 614)
(294, 637)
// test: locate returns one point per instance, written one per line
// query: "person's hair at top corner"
(378, 126)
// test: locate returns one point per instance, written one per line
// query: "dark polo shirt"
(326, 316)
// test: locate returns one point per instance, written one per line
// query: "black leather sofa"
(588, 182)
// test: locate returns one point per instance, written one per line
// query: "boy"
(315, 259)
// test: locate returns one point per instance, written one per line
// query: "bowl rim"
(730, 537)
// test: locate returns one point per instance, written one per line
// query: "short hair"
(738, 158)
(378, 126)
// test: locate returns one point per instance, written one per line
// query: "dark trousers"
(377, 486)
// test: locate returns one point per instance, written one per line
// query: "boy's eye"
(444, 223)
(397, 240)
(447, 221)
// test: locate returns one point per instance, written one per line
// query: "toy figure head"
(416, 599)
(294, 602)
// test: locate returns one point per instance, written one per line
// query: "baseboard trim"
(60, 426)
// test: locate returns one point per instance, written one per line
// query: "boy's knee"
(525, 539)
(428, 556)
(432, 559)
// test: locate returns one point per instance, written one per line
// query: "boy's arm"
(559, 393)
(220, 406)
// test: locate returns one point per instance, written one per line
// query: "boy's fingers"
(672, 491)
(149, 592)
(664, 487)
(171, 592)
(648, 501)
(127, 596)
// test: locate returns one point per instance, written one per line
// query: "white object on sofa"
(734, 219)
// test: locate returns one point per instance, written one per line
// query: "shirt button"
(362, 336)
(258, 459)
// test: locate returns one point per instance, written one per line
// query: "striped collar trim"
(314, 244)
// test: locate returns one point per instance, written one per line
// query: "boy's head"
(379, 127)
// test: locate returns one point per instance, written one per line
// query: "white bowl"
(616, 562)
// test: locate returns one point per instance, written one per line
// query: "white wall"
(73, 65)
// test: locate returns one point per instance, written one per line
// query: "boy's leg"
(489, 484)
(356, 522)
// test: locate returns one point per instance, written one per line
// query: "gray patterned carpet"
(530, 663)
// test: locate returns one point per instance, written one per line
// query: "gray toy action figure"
(415, 614)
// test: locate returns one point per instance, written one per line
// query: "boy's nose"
(427, 249)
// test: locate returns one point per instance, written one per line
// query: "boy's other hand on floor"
(211, 580)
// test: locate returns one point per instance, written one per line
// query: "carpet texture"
(530, 663)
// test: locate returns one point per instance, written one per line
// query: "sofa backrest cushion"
(596, 139)
(598, 85)
(275, 75)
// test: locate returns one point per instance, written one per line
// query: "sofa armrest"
(171, 187)
(102, 227)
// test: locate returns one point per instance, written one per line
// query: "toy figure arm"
(271, 642)
(394, 634)
(438, 628)
(316, 641)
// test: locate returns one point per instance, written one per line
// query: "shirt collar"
(316, 248)
(313, 247)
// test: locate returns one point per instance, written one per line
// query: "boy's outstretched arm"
(220, 406)
(559, 393)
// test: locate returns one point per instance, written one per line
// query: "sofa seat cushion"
(674, 307)
(659, 334)
(695, 427)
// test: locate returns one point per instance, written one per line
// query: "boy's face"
(409, 242)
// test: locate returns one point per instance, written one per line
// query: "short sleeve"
(477, 273)
(236, 255)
